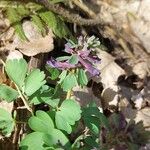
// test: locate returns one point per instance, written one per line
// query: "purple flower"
(83, 50)
(60, 65)
(89, 67)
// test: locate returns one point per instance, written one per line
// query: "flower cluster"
(82, 56)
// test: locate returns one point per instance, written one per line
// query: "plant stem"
(82, 6)
(69, 94)
(71, 17)
(24, 100)
(70, 91)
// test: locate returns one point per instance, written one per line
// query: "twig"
(70, 91)
(24, 100)
(71, 17)
(82, 6)
(124, 46)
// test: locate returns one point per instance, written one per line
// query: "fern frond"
(55, 23)
(15, 21)
(38, 22)
(22, 10)
(16, 10)
(49, 18)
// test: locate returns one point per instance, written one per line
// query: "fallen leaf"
(144, 115)
(110, 72)
(36, 42)
(14, 55)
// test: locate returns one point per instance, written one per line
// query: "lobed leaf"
(33, 141)
(6, 122)
(82, 77)
(7, 93)
(69, 82)
(42, 122)
(16, 69)
(34, 81)
(69, 112)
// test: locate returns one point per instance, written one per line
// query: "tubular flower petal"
(60, 65)
(89, 67)
(84, 50)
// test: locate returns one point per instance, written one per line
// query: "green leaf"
(42, 122)
(55, 23)
(34, 81)
(62, 123)
(33, 141)
(62, 76)
(56, 137)
(22, 10)
(73, 59)
(93, 123)
(82, 77)
(42, 95)
(6, 122)
(93, 119)
(61, 30)
(69, 82)
(54, 72)
(16, 69)
(91, 141)
(38, 22)
(7, 93)
(52, 102)
(62, 58)
(49, 18)
(15, 21)
(69, 112)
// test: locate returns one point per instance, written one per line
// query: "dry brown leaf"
(41, 45)
(36, 44)
(14, 55)
(137, 115)
(119, 12)
(141, 29)
(144, 115)
(110, 72)
(141, 69)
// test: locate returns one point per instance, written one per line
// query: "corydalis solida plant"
(82, 55)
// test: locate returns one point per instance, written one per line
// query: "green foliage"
(82, 77)
(45, 133)
(52, 129)
(54, 72)
(94, 119)
(73, 59)
(15, 20)
(41, 122)
(55, 23)
(42, 95)
(39, 23)
(69, 82)
(34, 81)
(7, 93)
(33, 141)
(6, 122)
(68, 113)
(16, 11)
(62, 76)
(16, 69)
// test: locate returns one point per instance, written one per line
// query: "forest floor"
(124, 82)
